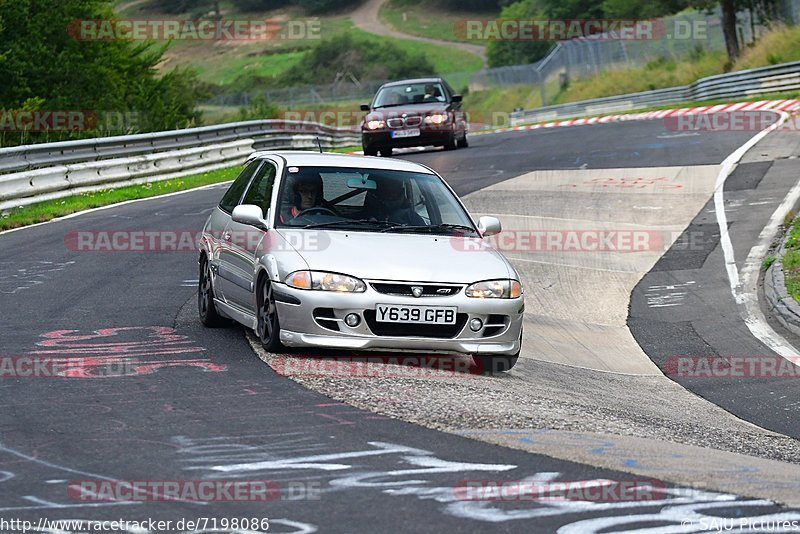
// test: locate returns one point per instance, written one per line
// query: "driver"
(431, 93)
(307, 194)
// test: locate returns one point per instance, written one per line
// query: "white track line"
(744, 291)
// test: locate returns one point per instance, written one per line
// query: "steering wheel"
(316, 209)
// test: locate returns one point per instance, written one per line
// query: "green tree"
(44, 63)
(505, 52)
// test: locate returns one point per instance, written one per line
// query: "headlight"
(323, 281)
(437, 118)
(495, 289)
(376, 125)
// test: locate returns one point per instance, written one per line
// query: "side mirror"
(458, 98)
(250, 215)
(489, 226)
(364, 107)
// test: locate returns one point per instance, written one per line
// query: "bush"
(363, 58)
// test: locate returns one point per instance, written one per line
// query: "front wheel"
(463, 142)
(268, 328)
(369, 151)
(499, 363)
(386, 152)
(493, 365)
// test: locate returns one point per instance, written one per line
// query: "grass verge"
(51, 209)
(424, 19)
(791, 261)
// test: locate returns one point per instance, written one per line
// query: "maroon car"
(410, 113)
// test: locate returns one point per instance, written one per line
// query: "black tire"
(268, 328)
(493, 364)
(450, 145)
(370, 151)
(463, 143)
(205, 298)
(386, 152)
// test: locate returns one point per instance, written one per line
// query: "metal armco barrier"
(34, 173)
(746, 83)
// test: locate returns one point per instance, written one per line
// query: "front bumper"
(428, 137)
(302, 325)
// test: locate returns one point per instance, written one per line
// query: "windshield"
(369, 200)
(413, 93)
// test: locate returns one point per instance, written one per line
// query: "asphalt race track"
(158, 397)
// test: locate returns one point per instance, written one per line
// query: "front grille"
(444, 331)
(399, 122)
(404, 289)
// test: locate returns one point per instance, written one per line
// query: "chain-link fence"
(673, 38)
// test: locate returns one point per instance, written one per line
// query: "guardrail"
(34, 173)
(746, 83)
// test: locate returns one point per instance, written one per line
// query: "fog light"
(475, 325)
(352, 320)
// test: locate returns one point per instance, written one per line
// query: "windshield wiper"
(391, 105)
(348, 221)
(435, 227)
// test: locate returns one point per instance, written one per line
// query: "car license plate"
(391, 313)
(412, 132)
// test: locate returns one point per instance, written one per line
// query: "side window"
(260, 192)
(236, 190)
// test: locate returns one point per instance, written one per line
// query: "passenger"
(389, 203)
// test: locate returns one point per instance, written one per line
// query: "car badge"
(443, 291)
(416, 291)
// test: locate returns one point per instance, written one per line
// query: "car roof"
(299, 158)
(415, 80)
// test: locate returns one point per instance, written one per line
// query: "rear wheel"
(205, 298)
(268, 328)
(386, 152)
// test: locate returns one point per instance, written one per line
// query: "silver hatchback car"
(358, 253)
